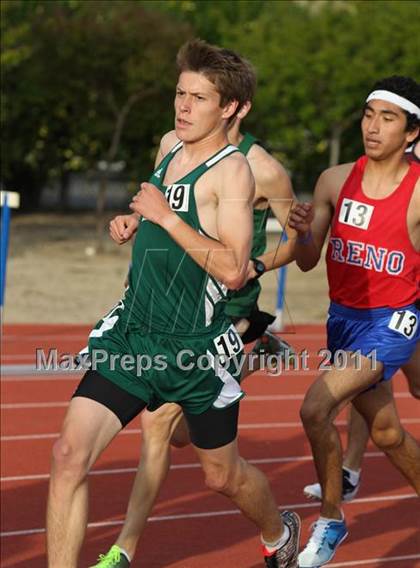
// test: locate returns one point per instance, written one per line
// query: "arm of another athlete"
(274, 185)
(312, 221)
(123, 227)
(226, 258)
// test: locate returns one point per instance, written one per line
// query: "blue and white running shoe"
(326, 536)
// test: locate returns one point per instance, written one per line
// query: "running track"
(190, 527)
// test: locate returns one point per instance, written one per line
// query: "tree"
(82, 70)
(316, 62)
(20, 99)
(85, 82)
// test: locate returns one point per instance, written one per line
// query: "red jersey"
(371, 261)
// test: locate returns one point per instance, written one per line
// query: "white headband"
(403, 103)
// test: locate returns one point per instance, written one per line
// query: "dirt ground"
(54, 275)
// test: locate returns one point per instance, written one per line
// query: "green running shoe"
(114, 558)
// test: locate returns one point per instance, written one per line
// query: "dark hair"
(233, 76)
(404, 87)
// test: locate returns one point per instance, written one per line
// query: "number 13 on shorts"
(404, 322)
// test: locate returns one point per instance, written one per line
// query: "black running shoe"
(349, 490)
(270, 344)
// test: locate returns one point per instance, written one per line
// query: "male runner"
(357, 430)
(190, 247)
(273, 189)
(373, 209)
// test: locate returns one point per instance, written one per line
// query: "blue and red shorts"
(391, 334)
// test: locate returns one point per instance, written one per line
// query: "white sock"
(272, 546)
(334, 520)
(354, 475)
(124, 552)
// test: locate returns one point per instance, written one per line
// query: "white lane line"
(34, 405)
(27, 373)
(207, 514)
(40, 336)
(130, 431)
(248, 398)
(7, 360)
(193, 465)
(76, 376)
(253, 426)
(31, 437)
(34, 377)
(379, 561)
(23, 370)
(14, 357)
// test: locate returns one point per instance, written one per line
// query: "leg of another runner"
(357, 439)
(157, 429)
(379, 410)
(412, 372)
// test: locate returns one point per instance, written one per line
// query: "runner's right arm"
(312, 221)
(123, 227)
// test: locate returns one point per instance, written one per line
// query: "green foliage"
(316, 63)
(69, 67)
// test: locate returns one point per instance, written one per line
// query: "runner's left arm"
(276, 187)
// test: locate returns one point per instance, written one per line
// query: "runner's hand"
(150, 203)
(301, 218)
(123, 227)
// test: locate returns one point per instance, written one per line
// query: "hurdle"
(8, 200)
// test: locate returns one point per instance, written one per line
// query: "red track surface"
(191, 528)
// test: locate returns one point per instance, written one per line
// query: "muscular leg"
(88, 428)
(157, 429)
(358, 431)
(227, 473)
(379, 410)
(325, 398)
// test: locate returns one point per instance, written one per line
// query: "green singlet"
(172, 315)
(242, 302)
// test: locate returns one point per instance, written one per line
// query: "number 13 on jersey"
(355, 213)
